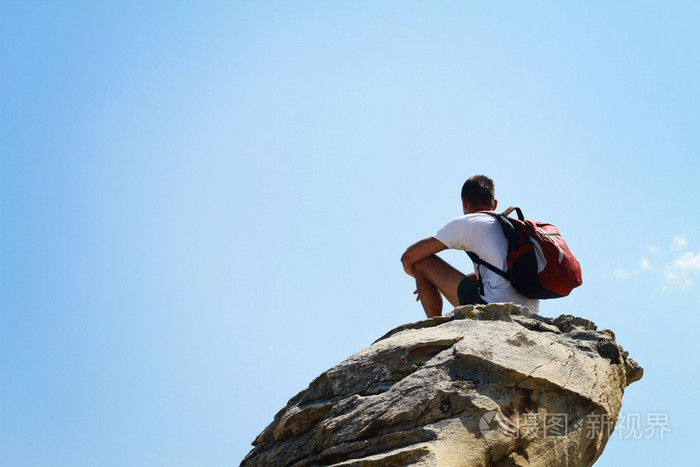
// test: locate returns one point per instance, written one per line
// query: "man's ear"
(495, 204)
(465, 206)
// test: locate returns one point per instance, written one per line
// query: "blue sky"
(203, 207)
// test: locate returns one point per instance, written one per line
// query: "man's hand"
(420, 250)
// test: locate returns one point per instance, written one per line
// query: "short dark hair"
(479, 190)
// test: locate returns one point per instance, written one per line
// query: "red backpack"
(540, 265)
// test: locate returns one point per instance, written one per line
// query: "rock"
(486, 385)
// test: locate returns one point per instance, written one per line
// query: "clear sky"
(203, 205)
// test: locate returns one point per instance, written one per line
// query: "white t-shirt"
(482, 234)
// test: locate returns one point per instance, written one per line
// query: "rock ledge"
(485, 385)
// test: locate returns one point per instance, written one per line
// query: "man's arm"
(420, 250)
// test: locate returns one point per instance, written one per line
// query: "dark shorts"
(468, 293)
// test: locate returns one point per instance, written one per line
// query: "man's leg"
(434, 277)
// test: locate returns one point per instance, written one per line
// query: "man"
(476, 232)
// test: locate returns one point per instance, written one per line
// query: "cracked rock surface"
(486, 385)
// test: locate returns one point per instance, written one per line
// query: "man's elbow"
(407, 261)
(406, 258)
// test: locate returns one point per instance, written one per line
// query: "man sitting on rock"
(477, 232)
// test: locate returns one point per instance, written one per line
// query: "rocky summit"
(485, 385)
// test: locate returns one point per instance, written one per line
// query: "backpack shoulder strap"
(507, 226)
(478, 261)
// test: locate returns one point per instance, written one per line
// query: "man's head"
(478, 194)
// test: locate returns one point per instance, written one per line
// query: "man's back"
(481, 233)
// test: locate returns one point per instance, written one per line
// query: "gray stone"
(485, 385)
